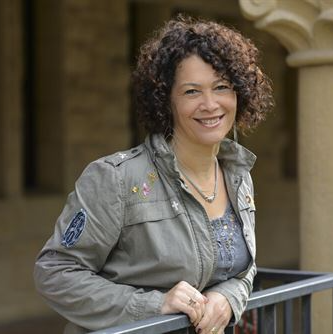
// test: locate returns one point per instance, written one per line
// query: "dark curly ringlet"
(225, 49)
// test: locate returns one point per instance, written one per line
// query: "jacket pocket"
(143, 212)
(156, 246)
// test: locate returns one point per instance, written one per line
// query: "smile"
(210, 122)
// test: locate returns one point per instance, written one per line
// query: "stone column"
(96, 82)
(82, 104)
(11, 69)
(305, 28)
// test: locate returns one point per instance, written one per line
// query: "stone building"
(65, 99)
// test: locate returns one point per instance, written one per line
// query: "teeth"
(210, 121)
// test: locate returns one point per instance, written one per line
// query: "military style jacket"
(131, 230)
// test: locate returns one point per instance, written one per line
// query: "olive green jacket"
(140, 231)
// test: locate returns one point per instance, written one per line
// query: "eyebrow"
(198, 85)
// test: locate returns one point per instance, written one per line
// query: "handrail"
(155, 325)
(301, 284)
(286, 275)
(289, 291)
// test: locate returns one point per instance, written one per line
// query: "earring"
(235, 132)
(168, 131)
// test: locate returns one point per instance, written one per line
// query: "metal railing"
(295, 285)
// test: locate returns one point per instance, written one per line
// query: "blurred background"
(65, 100)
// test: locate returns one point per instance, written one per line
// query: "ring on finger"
(191, 302)
(214, 330)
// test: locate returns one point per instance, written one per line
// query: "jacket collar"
(234, 157)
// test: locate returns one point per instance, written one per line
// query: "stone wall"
(82, 100)
(79, 111)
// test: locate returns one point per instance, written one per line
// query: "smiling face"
(203, 104)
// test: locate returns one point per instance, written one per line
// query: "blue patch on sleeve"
(74, 229)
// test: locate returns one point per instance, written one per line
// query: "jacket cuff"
(146, 304)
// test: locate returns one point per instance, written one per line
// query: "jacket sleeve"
(68, 269)
(237, 291)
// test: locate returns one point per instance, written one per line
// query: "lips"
(209, 122)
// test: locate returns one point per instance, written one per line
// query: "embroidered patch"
(74, 229)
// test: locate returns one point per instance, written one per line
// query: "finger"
(199, 297)
(213, 325)
(216, 330)
(210, 326)
(212, 330)
(192, 308)
(216, 315)
(180, 304)
(200, 309)
(198, 302)
(192, 312)
(185, 298)
(209, 322)
(197, 308)
(177, 300)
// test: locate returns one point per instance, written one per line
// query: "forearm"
(89, 300)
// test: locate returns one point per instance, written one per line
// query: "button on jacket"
(141, 232)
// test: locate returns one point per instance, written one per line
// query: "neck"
(195, 159)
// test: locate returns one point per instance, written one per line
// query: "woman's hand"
(217, 315)
(184, 298)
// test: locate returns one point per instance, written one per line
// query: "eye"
(222, 87)
(191, 91)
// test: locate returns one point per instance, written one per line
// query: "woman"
(168, 226)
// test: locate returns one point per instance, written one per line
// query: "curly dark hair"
(228, 52)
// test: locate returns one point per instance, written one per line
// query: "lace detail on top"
(233, 254)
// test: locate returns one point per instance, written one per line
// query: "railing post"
(268, 320)
(288, 317)
(306, 314)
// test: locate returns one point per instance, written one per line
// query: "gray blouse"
(233, 254)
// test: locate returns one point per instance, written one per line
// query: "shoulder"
(111, 169)
(113, 162)
(118, 158)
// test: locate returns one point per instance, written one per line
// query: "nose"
(209, 102)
